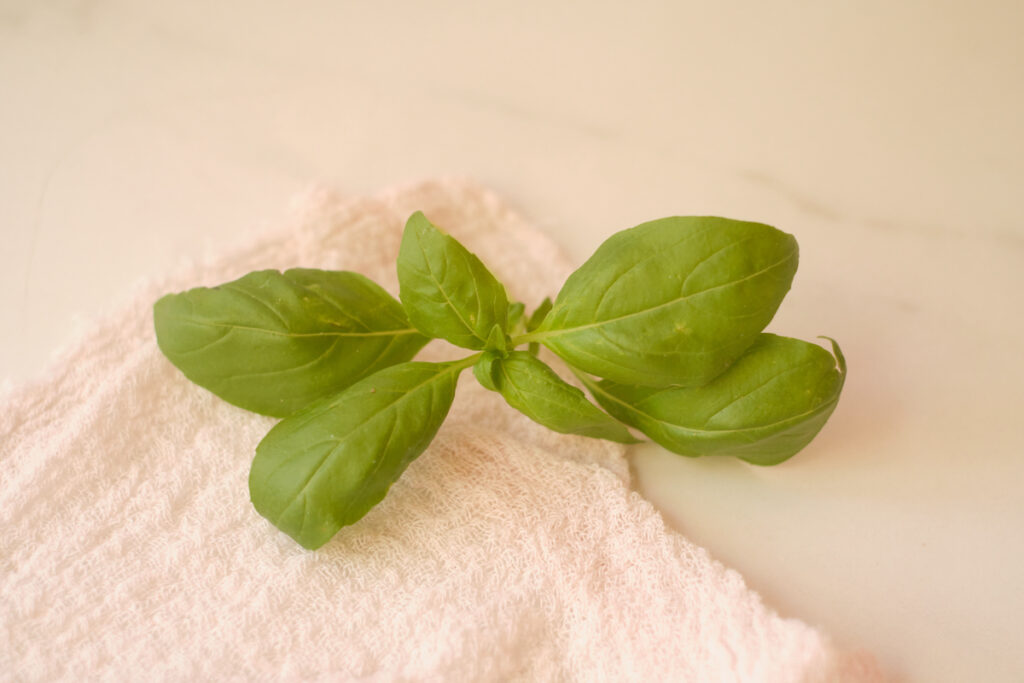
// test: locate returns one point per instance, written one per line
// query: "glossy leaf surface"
(274, 342)
(534, 389)
(329, 464)
(671, 302)
(446, 290)
(767, 406)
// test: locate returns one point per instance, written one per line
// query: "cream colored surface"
(886, 138)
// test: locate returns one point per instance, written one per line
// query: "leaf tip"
(837, 352)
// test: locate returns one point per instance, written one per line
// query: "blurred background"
(885, 136)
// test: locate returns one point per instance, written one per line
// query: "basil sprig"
(663, 325)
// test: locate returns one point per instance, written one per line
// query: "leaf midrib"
(547, 334)
(575, 413)
(594, 386)
(444, 292)
(249, 328)
(339, 442)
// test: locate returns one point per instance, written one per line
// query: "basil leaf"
(446, 290)
(516, 324)
(767, 406)
(486, 370)
(538, 315)
(274, 342)
(536, 318)
(329, 464)
(497, 341)
(671, 302)
(534, 389)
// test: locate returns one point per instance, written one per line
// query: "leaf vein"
(569, 330)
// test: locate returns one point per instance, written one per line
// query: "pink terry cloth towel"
(506, 552)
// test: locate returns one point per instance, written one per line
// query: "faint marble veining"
(1001, 237)
(795, 197)
(479, 99)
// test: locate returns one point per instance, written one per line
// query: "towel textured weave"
(506, 552)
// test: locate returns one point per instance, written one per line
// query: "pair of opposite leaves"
(668, 314)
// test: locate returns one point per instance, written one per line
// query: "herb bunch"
(662, 325)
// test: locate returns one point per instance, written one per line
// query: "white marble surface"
(885, 136)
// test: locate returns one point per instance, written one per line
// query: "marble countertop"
(886, 136)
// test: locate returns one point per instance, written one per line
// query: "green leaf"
(274, 342)
(767, 406)
(534, 389)
(485, 370)
(516, 324)
(671, 302)
(446, 290)
(538, 315)
(497, 340)
(329, 464)
(536, 319)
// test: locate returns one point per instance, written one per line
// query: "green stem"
(527, 338)
(466, 362)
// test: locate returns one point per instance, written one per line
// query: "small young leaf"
(485, 370)
(446, 290)
(275, 342)
(329, 464)
(671, 302)
(534, 389)
(516, 324)
(767, 406)
(536, 319)
(497, 340)
(538, 315)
